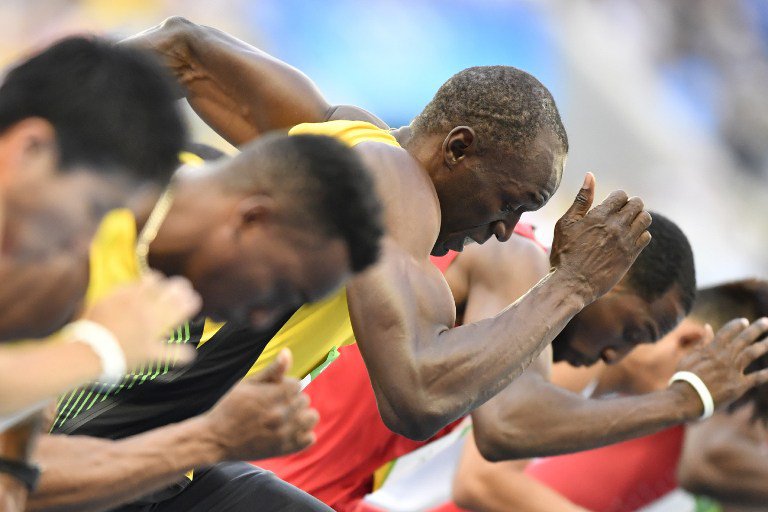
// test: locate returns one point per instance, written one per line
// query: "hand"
(721, 362)
(167, 41)
(142, 315)
(596, 247)
(264, 416)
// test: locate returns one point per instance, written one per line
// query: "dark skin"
(725, 458)
(425, 373)
(514, 424)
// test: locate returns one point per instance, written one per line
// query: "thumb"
(278, 368)
(584, 199)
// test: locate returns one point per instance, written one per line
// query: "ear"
(691, 337)
(460, 142)
(28, 142)
(256, 209)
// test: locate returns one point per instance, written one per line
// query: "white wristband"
(104, 344)
(698, 385)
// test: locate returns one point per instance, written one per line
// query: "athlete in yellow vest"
(255, 249)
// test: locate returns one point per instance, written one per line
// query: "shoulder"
(411, 206)
(352, 113)
(518, 259)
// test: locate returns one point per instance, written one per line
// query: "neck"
(422, 147)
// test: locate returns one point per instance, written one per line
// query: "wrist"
(701, 390)
(574, 285)
(25, 474)
(687, 403)
(213, 447)
(104, 344)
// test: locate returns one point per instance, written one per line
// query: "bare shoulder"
(412, 210)
(353, 113)
(518, 260)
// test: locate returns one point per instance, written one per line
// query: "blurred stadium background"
(663, 98)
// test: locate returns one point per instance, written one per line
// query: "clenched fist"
(596, 247)
(264, 416)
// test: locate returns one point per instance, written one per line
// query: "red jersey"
(352, 440)
(617, 478)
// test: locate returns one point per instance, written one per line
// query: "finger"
(300, 402)
(642, 241)
(632, 208)
(306, 420)
(748, 336)
(584, 198)
(758, 378)
(642, 222)
(613, 203)
(277, 369)
(730, 330)
(709, 335)
(752, 352)
(305, 440)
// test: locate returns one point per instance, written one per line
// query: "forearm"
(36, 371)
(442, 373)
(239, 90)
(81, 474)
(542, 423)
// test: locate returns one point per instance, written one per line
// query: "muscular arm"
(424, 372)
(238, 90)
(726, 457)
(533, 417)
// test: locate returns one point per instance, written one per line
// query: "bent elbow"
(414, 426)
(496, 445)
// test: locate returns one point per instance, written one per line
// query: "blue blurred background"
(663, 98)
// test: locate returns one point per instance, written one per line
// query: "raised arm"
(238, 90)
(726, 457)
(424, 372)
(261, 417)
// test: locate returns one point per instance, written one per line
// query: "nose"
(503, 229)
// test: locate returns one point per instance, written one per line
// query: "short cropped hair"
(325, 184)
(113, 108)
(718, 305)
(503, 104)
(665, 264)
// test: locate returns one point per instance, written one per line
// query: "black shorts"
(234, 487)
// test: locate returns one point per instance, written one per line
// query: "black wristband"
(27, 474)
